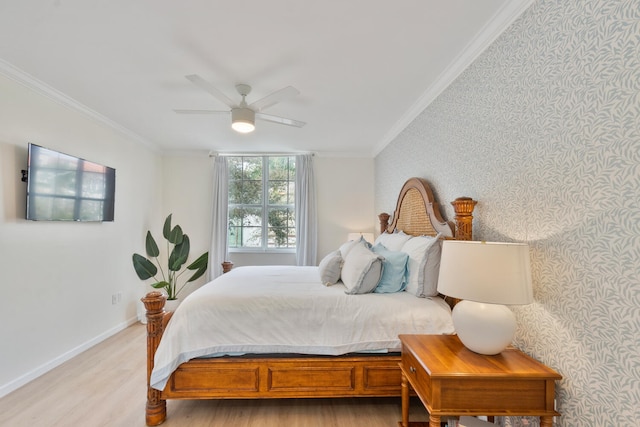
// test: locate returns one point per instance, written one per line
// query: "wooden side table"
(451, 380)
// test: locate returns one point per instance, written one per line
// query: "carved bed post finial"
(156, 409)
(227, 266)
(384, 221)
(463, 207)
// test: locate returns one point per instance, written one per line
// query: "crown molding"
(502, 19)
(14, 73)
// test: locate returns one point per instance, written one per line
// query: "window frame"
(264, 206)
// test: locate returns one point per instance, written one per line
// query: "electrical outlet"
(114, 299)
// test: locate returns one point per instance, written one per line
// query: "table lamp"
(486, 276)
(356, 236)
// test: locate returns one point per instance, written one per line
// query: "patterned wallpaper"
(543, 129)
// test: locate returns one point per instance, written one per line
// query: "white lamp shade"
(356, 236)
(488, 272)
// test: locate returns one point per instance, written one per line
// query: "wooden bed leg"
(405, 401)
(155, 415)
(463, 206)
(156, 409)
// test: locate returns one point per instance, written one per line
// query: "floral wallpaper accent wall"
(543, 129)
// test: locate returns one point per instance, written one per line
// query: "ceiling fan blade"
(203, 84)
(274, 97)
(201, 111)
(281, 120)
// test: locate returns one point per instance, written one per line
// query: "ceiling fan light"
(243, 120)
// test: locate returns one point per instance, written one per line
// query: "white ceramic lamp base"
(484, 328)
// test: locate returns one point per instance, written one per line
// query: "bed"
(233, 365)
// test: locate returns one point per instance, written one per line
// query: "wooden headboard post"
(384, 221)
(463, 206)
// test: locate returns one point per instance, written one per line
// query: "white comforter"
(286, 309)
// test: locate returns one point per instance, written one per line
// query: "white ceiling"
(364, 68)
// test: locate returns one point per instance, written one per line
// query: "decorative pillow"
(347, 246)
(361, 270)
(424, 265)
(394, 270)
(393, 241)
(432, 269)
(330, 268)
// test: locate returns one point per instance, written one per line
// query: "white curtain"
(306, 213)
(219, 251)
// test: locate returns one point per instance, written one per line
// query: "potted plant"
(178, 249)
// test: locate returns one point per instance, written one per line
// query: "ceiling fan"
(243, 115)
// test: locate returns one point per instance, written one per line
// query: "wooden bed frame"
(299, 376)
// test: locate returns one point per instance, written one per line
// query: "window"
(262, 202)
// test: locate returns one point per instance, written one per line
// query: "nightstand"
(451, 380)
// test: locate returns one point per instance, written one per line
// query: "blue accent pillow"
(394, 270)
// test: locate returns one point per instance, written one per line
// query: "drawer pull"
(412, 369)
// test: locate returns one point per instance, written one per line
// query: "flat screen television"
(61, 187)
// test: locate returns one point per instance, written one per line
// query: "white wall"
(58, 277)
(187, 196)
(345, 189)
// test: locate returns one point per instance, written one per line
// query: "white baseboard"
(43, 369)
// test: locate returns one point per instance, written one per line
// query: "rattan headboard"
(418, 214)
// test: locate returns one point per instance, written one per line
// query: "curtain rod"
(214, 154)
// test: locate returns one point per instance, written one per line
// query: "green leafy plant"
(178, 249)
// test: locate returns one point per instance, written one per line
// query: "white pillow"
(361, 270)
(432, 269)
(346, 247)
(424, 264)
(330, 267)
(393, 241)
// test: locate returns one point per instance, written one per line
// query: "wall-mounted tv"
(61, 187)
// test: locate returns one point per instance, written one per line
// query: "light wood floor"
(105, 386)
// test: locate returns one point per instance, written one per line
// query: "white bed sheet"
(286, 309)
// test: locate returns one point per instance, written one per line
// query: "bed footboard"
(264, 377)
(286, 376)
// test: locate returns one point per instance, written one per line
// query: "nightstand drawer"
(417, 376)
